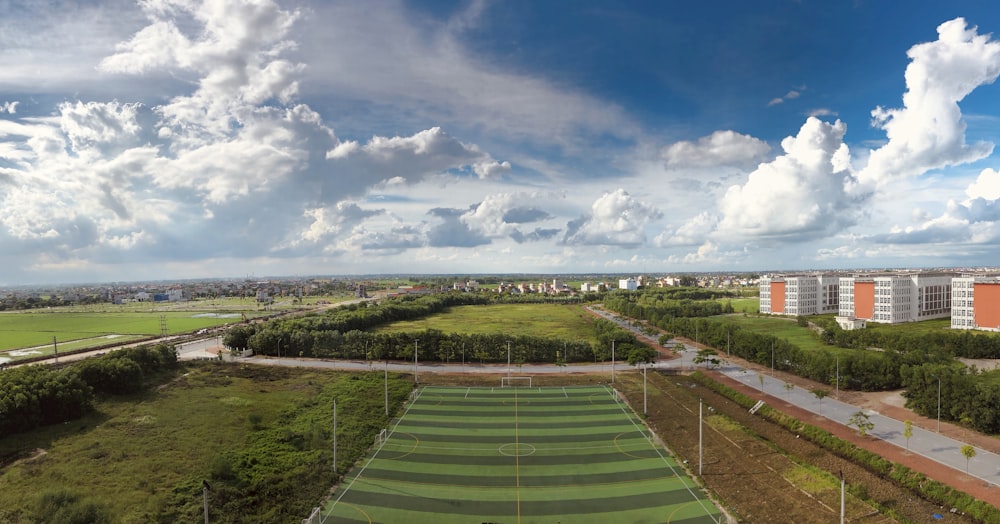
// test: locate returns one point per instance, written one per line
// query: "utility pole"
(508, 361)
(644, 413)
(842, 512)
(204, 498)
(612, 362)
(415, 347)
(387, 387)
(838, 378)
(55, 349)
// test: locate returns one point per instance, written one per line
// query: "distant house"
(628, 284)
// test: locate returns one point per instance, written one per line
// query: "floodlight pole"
(335, 437)
(508, 361)
(699, 437)
(644, 413)
(415, 348)
(842, 508)
(612, 362)
(387, 387)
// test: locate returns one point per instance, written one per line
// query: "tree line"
(342, 333)
(39, 395)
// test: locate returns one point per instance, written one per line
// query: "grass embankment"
(570, 322)
(260, 436)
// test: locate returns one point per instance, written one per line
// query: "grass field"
(569, 322)
(781, 327)
(574, 454)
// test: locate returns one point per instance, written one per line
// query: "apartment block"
(799, 295)
(893, 298)
(975, 302)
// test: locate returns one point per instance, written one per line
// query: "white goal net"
(515, 382)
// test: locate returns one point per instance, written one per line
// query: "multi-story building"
(799, 295)
(894, 298)
(975, 302)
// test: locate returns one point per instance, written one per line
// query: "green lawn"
(571, 322)
(781, 327)
(574, 454)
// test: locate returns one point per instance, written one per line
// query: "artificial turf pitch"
(519, 455)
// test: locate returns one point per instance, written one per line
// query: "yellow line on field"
(517, 461)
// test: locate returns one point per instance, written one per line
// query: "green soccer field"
(519, 455)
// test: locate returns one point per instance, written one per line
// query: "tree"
(907, 432)
(641, 354)
(708, 355)
(968, 452)
(821, 394)
(861, 421)
(789, 387)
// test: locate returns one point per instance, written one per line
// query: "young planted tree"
(789, 387)
(709, 356)
(907, 432)
(968, 452)
(821, 394)
(861, 421)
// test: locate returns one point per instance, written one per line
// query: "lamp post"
(939, 405)
(612, 362)
(415, 347)
(508, 361)
(387, 387)
(644, 413)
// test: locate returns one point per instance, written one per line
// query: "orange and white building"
(895, 298)
(975, 302)
(799, 295)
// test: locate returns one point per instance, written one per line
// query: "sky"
(175, 139)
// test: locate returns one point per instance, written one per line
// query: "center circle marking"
(517, 450)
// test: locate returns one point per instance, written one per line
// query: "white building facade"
(896, 298)
(799, 295)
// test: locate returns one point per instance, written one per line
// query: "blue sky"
(183, 139)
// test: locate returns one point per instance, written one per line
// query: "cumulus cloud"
(928, 131)
(615, 219)
(9, 107)
(800, 193)
(232, 168)
(986, 186)
(693, 232)
(721, 148)
(452, 231)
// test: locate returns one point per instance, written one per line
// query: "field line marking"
(372, 458)
(517, 460)
(467, 390)
(564, 392)
(658, 451)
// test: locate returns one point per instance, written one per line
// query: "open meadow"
(260, 436)
(570, 322)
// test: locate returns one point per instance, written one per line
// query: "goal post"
(515, 382)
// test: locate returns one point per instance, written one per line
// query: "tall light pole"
(837, 385)
(699, 437)
(939, 405)
(387, 387)
(508, 360)
(612, 362)
(415, 348)
(772, 358)
(644, 413)
(335, 437)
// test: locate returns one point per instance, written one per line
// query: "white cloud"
(9, 107)
(986, 186)
(791, 95)
(721, 148)
(615, 219)
(693, 232)
(928, 131)
(799, 194)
